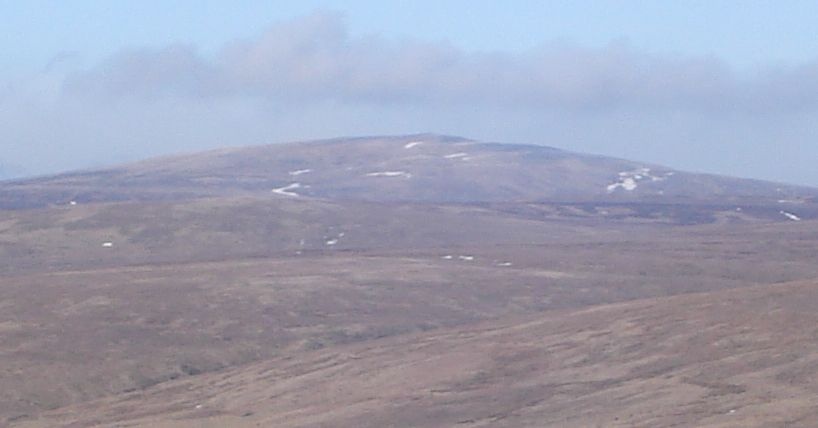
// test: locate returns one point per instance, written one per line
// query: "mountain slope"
(196, 286)
(417, 168)
(114, 280)
(729, 358)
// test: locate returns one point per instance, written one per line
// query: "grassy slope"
(728, 358)
(208, 269)
(73, 335)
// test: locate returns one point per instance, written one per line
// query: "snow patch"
(790, 216)
(72, 203)
(333, 241)
(626, 183)
(456, 155)
(451, 257)
(107, 244)
(286, 189)
(389, 174)
(299, 172)
(412, 144)
(504, 264)
(629, 180)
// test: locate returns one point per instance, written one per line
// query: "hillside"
(189, 289)
(123, 287)
(415, 168)
(730, 358)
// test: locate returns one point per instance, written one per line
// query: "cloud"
(147, 73)
(310, 78)
(314, 58)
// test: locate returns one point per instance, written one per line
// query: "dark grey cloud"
(309, 78)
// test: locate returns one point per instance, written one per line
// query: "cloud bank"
(309, 78)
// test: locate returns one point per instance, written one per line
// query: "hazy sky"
(716, 86)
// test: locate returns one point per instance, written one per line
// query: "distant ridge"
(411, 168)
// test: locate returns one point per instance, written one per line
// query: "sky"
(727, 87)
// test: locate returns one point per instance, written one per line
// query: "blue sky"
(744, 33)
(717, 86)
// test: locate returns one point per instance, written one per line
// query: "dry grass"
(729, 358)
(71, 336)
(282, 311)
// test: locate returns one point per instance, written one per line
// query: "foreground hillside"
(111, 322)
(730, 358)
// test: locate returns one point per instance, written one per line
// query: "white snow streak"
(412, 144)
(628, 180)
(389, 174)
(626, 183)
(450, 257)
(790, 216)
(286, 189)
(299, 172)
